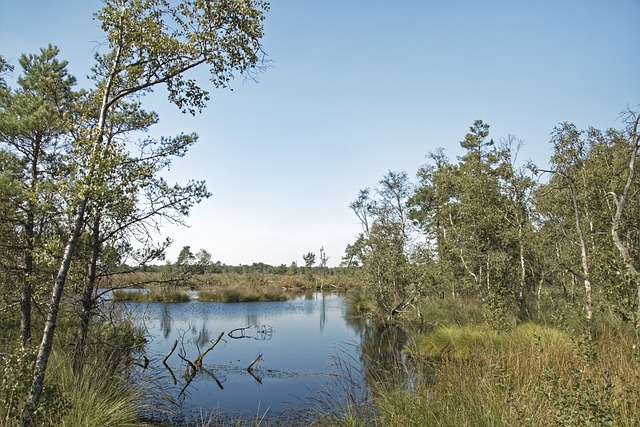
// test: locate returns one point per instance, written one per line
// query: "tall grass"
(531, 375)
(99, 397)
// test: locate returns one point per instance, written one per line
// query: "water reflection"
(382, 353)
(297, 341)
(323, 313)
(165, 322)
(303, 345)
(383, 356)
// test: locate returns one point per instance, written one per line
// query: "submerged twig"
(193, 367)
(255, 377)
(213, 377)
(173, 377)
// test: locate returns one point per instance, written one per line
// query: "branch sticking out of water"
(198, 361)
(193, 367)
(256, 360)
(164, 361)
(173, 377)
(255, 377)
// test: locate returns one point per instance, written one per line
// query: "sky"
(357, 88)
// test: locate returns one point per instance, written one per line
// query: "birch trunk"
(621, 203)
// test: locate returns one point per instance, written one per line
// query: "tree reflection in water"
(165, 321)
(383, 357)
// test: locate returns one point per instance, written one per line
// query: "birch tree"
(150, 43)
(622, 200)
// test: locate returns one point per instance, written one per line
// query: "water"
(299, 341)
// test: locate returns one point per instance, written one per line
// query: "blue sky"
(357, 88)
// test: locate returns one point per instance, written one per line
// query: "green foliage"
(386, 246)
(586, 394)
(114, 197)
(15, 382)
(469, 341)
(487, 229)
(155, 42)
(532, 375)
(309, 259)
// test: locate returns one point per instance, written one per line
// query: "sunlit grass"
(531, 375)
(242, 294)
(151, 296)
(96, 398)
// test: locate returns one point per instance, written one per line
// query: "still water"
(300, 342)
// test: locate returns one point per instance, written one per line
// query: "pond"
(309, 347)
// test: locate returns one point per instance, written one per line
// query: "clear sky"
(356, 88)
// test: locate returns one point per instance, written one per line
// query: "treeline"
(256, 267)
(506, 232)
(201, 263)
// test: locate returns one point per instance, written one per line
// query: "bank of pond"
(311, 359)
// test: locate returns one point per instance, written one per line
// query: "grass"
(151, 296)
(242, 294)
(301, 282)
(556, 370)
(102, 396)
(469, 341)
(97, 398)
(531, 375)
(250, 287)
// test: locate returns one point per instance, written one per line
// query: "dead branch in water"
(164, 361)
(193, 367)
(143, 363)
(198, 361)
(173, 377)
(260, 332)
(255, 377)
(256, 360)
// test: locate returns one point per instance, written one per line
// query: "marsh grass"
(151, 296)
(531, 375)
(300, 282)
(99, 397)
(242, 294)
(468, 374)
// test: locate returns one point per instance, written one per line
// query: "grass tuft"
(151, 296)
